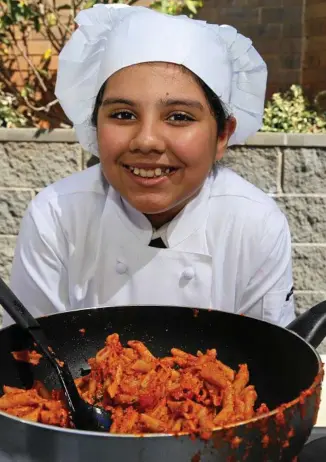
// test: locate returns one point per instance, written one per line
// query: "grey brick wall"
(291, 168)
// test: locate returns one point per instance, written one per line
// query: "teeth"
(149, 173)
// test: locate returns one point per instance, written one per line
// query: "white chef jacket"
(80, 245)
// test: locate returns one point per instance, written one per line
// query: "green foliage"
(173, 7)
(291, 112)
(10, 116)
(176, 7)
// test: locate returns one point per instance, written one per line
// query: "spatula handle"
(14, 308)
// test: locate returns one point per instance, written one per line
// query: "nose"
(147, 139)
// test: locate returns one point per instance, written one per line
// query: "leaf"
(291, 112)
(37, 24)
(191, 5)
(43, 72)
(51, 19)
(89, 4)
(47, 54)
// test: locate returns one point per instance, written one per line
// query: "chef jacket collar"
(161, 233)
(187, 222)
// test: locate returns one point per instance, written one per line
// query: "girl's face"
(157, 138)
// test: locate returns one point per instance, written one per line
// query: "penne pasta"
(228, 407)
(214, 375)
(145, 394)
(31, 357)
(152, 424)
(241, 379)
(249, 397)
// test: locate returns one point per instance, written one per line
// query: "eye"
(122, 115)
(180, 117)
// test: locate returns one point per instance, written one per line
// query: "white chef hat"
(111, 37)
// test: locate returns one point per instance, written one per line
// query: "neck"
(159, 219)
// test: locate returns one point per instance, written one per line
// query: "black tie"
(157, 243)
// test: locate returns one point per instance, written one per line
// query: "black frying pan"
(281, 363)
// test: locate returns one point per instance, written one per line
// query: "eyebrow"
(109, 101)
(163, 102)
(182, 102)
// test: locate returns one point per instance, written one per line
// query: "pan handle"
(311, 325)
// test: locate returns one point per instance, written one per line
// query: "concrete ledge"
(59, 135)
(67, 135)
(288, 140)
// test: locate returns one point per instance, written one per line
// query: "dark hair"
(219, 112)
(215, 104)
(97, 105)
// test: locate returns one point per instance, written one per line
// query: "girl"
(158, 99)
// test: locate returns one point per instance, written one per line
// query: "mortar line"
(309, 292)
(9, 188)
(297, 195)
(279, 171)
(309, 244)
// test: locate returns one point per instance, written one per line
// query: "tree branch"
(45, 108)
(5, 78)
(37, 74)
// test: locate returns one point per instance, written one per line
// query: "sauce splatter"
(290, 433)
(265, 441)
(235, 442)
(196, 457)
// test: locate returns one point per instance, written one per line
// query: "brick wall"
(34, 49)
(314, 66)
(292, 168)
(290, 34)
(276, 29)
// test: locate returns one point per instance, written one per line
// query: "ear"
(223, 137)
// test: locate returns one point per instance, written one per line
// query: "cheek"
(110, 143)
(196, 148)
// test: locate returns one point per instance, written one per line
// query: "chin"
(146, 207)
(148, 210)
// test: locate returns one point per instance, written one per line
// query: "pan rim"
(70, 431)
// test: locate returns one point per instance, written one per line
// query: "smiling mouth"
(151, 172)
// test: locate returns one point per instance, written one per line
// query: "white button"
(188, 273)
(121, 267)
